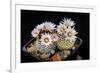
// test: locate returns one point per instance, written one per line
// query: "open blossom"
(46, 26)
(35, 33)
(46, 39)
(67, 22)
(71, 33)
(61, 28)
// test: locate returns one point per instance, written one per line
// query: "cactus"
(64, 44)
(45, 51)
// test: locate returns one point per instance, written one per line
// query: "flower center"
(70, 34)
(62, 29)
(46, 40)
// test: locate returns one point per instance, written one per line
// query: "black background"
(30, 18)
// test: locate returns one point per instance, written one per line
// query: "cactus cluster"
(53, 39)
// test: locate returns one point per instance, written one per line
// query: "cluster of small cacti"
(51, 37)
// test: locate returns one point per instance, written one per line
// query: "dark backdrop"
(30, 18)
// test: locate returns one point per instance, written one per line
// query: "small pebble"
(52, 52)
(73, 48)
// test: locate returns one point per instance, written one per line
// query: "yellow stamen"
(70, 34)
(46, 40)
(62, 29)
